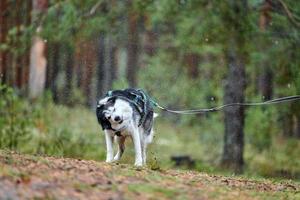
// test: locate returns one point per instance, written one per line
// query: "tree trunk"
(113, 62)
(100, 67)
(132, 49)
(54, 71)
(234, 116)
(37, 76)
(9, 54)
(69, 76)
(266, 82)
(150, 37)
(26, 56)
(89, 64)
(234, 21)
(297, 131)
(266, 75)
(192, 61)
(107, 69)
(149, 42)
(18, 57)
(3, 34)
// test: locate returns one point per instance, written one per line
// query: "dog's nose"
(117, 118)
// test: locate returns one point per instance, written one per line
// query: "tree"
(266, 75)
(53, 69)
(107, 64)
(132, 46)
(235, 21)
(102, 72)
(3, 33)
(69, 75)
(192, 61)
(37, 71)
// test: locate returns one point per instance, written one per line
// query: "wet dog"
(122, 114)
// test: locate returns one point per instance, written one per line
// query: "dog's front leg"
(109, 146)
(137, 147)
(121, 147)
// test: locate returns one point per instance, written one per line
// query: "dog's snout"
(117, 118)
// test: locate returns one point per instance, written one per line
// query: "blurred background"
(57, 57)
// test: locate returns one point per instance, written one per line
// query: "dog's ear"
(100, 107)
(101, 117)
(112, 100)
(102, 102)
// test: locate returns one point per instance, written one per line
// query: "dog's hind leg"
(137, 147)
(144, 151)
(146, 140)
(121, 147)
(109, 146)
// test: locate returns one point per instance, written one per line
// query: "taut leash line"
(218, 108)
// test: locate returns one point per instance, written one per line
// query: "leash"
(218, 108)
(145, 97)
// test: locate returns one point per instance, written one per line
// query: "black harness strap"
(139, 101)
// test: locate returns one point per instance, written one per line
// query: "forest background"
(58, 57)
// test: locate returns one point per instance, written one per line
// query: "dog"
(126, 113)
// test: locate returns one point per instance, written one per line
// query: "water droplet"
(212, 98)
(45, 41)
(289, 85)
(276, 42)
(206, 39)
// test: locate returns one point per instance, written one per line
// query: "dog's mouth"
(121, 121)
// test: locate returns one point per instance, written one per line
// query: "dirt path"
(33, 177)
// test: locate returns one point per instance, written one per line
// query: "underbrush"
(45, 128)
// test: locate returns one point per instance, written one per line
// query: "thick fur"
(120, 119)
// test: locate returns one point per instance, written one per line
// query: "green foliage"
(44, 128)
(61, 22)
(264, 121)
(16, 119)
(280, 160)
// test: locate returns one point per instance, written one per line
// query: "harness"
(118, 132)
(136, 97)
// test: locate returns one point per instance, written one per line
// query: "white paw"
(109, 160)
(117, 158)
(138, 164)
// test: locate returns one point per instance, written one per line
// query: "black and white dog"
(123, 113)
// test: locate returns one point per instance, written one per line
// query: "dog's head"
(112, 111)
